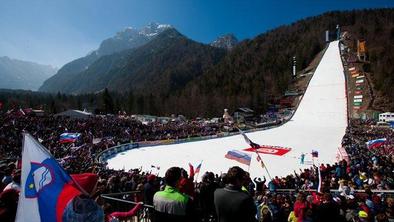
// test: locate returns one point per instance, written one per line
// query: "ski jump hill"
(318, 124)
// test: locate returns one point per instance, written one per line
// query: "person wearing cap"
(83, 208)
(170, 204)
(231, 203)
(150, 188)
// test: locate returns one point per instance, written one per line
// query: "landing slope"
(319, 123)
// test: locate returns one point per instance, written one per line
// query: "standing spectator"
(300, 207)
(170, 204)
(232, 204)
(150, 189)
(207, 191)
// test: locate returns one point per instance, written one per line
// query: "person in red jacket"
(186, 183)
(300, 207)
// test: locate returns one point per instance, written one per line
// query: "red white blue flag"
(69, 137)
(198, 168)
(376, 143)
(46, 188)
(239, 156)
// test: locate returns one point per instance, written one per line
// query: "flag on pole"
(69, 137)
(45, 187)
(376, 143)
(239, 156)
(248, 141)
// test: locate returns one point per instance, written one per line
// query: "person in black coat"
(231, 203)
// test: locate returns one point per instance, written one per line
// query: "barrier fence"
(123, 201)
(112, 151)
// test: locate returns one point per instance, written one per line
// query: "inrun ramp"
(318, 124)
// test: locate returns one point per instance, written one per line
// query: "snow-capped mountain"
(226, 42)
(130, 38)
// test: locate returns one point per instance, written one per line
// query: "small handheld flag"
(69, 137)
(198, 168)
(376, 143)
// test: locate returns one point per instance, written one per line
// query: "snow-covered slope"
(319, 124)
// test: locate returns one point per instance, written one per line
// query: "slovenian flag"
(239, 156)
(376, 143)
(46, 188)
(69, 137)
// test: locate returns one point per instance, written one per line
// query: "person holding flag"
(48, 193)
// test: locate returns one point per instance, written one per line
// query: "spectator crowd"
(232, 196)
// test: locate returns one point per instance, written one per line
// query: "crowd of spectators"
(208, 200)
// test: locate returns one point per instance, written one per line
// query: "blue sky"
(57, 31)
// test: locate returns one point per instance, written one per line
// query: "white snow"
(319, 124)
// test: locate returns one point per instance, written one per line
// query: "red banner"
(267, 149)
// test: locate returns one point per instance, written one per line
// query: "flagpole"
(265, 166)
(250, 163)
(256, 146)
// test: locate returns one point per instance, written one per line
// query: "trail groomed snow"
(319, 124)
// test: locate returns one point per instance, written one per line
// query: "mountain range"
(170, 73)
(18, 74)
(127, 39)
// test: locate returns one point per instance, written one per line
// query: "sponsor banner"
(360, 81)
(267, 149)
(360, 77)
(358, 100)
(359, 88)
(358, 96)
(358, 92)
(359, 84)
(352, 68)
(356, 107)
(355, 75)
(357, 104)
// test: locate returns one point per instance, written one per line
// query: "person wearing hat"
(83, 208)
(150, 188)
